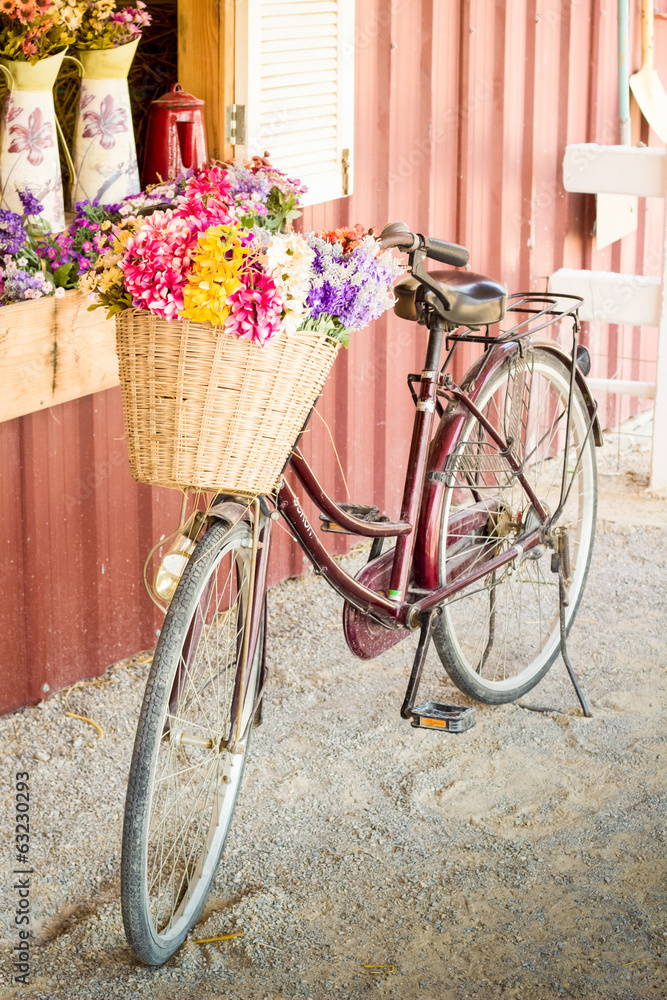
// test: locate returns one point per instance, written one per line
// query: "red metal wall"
(464, 108)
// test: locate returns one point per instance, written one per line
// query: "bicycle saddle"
(472, 299)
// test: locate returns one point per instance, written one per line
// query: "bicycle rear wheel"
(499, 637)
(184, 780)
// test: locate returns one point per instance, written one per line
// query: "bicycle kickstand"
(558, 557)
(432, 714)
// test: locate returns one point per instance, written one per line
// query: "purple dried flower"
(353, 287)
(20, 285)
(12, 235)
(31, 206)
(246, 183)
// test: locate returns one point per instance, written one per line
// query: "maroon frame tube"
(414, 480)
(388, 612)
(417, 509)
(525, 544)
(369, 529)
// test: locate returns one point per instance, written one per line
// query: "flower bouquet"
(226, 333)
(34, 35)
(105, 156)
(105, 25)
(23, 274)
(31, 30)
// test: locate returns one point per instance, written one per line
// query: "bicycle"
(490, 558)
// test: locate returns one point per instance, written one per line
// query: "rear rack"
(549, 307)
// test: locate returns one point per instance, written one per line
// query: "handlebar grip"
(447, 253)
(397, 234)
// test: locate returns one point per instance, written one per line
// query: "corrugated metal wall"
(463, 112)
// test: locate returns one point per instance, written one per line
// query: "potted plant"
(34, 35)
(105, 156)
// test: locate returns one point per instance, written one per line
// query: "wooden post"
(206, 63)
(659, 451)
(588, 167)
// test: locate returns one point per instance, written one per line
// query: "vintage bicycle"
(488, 558)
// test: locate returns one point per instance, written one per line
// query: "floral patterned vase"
(28, 142)
(105, 156)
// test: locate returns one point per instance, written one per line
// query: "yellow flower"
(217, 262)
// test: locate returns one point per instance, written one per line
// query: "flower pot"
(28, 142)
(105, 155)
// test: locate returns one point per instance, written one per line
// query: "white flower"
(289, 260)
(59, 293)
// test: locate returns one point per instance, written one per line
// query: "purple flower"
(352, 287)
(12, 235)
(247, 183)
(20, 285)
(31, 206)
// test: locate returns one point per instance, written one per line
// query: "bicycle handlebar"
(397, 234)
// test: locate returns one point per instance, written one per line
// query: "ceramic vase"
(29, 142)
(105, 155)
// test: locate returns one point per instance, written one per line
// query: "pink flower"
(203, 215)
(156, 263)
(11, 109)
(37, 137)
(210, 181)
(109, 121)
(256, 309)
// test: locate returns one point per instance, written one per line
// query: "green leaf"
(63, 276)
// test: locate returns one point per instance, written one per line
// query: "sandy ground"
(525, 858)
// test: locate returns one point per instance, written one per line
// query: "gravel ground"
(525, 858)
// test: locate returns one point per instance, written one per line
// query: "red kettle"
(175, 139)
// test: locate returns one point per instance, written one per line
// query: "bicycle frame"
(419, 510)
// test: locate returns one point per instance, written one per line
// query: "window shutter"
(295, 77)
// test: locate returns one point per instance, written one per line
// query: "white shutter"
(295, 76)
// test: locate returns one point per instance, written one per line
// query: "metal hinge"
(345, 163)
(235, 124)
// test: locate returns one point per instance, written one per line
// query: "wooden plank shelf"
(53, 350)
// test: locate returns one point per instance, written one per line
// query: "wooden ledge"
(53, 350)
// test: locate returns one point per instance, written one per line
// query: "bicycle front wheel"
(184, 780)
(499, 637)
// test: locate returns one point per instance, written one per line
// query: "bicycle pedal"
(451, 718)
(361, 511)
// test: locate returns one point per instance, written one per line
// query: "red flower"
(109, 121)
(37, 137)
(349, 238)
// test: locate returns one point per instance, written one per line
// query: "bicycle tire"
(167, 869)
(500, 640)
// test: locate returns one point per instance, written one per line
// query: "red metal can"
(176, 139)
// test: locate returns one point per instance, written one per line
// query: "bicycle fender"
(427, 547)
(562, 355)
(230, 510)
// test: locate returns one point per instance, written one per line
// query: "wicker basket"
(207, 411)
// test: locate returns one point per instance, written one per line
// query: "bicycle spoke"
(513, 634)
